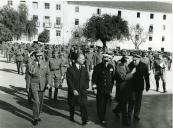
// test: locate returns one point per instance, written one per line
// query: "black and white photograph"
(92, 64)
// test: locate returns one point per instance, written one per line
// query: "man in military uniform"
(19, 60)
(159, 72)
(55, 64)
(102, 80)
(39, 78)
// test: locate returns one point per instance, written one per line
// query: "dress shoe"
(164, 91)
(39, 120)
(86, 122)
(126, 122)
(136, 118)
(72, 119)
(35, 122)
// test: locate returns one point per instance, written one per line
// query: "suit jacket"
(138, 78)
(103, 77)
(77, 80)
(39, 76)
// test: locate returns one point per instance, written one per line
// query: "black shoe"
(136, 118)
(164, 91)
(39, 120)
(35, 122)
(86, 122)
(116, 114)
(157, 89)
(72, 119)
(126, 122)
(129, 117)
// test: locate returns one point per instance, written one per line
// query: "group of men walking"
(46, 67)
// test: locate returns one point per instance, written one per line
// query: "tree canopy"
(17, 21)
(5, 33)
(106, 28)
(44, 36)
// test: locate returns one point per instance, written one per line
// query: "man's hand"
(133, 71)
(27, 90)
(75, 92)
(48, 86)
(94, 86)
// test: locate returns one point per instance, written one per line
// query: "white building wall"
(85, 12)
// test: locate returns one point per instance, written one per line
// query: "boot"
(164, 87)
(50, 93)
(157, 85)
(55, 94)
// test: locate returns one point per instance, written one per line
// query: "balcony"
(58, 25)
(47, 24)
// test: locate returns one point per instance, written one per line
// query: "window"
(58, 33)
(136, 37)
(163, 38)
(164, 17)
(58, 20)
(34, 5)
(76, 21)
(22, 1)
(150, 38)
(76, 34)
(47, 5)
(137, 26)
(138, 14)
(35, 17)
(151, 28)
(151, 16)
(99, 11)
(58, 7)
(47, 19)
(76, 8)
(119, 13)
(164, 27)
(10, 2)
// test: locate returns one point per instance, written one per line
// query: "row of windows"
(138, 14)
(151, 28)
(35, 5)
(58, 7)
(151, 38)
(58, 32)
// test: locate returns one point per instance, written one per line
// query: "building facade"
(61, 18)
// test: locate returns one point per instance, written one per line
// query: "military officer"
(39, 78)
(55, 65)
(19, 60)
(102, 80)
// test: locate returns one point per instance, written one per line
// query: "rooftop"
(151, 6)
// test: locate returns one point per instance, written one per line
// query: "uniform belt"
(54, 69)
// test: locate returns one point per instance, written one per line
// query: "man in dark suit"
(139, 76)
(102, 80)
(39, 77)
(78, 83)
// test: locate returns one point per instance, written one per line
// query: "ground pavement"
(16, 112)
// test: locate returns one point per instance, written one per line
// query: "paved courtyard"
(15, 111)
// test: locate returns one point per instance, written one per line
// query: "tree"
(106, 28)
(138, 35)
(5, 33)
(77, 37)
(30, 28)
(44, 36)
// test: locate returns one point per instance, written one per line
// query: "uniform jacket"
(77, 80)
(55, 65)
(39, 76)
(103, 77)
